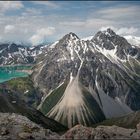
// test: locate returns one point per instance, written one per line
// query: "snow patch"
(87, 38)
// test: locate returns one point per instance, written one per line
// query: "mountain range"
(12, 53)
(81, 78)
(77, 81)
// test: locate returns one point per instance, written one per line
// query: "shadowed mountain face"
(10, 102)
(98, 77)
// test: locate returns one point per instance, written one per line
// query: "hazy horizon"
(47, 21)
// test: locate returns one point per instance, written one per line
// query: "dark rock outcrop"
(15, 127)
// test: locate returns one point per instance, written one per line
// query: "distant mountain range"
(20, 53)
(11, 53)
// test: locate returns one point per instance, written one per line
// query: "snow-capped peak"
(70, 36)
(73, 35)
(87, 38)
(109, 32)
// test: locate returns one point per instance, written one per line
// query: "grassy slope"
(52, 99)
(96, 115)
(24, 87)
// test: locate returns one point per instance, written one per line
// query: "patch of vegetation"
(25, 88)
(21, 84)
(52, 99)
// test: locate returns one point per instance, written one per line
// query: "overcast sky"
(38, 21)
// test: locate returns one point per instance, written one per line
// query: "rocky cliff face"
(101, 132)
(16, 127)
(94, 77)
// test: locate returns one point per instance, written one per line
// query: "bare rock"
(115, 132)
(79, 132)
(25, 135)
(101, 132)
(4, 131)
(15, 127)
(138, 126)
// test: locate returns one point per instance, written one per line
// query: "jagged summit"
(73, 35)
(105, 34)
(70, 36)
(109, 40)
(89, 78)
(110, 31)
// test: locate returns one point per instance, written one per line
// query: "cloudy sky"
(38, 21)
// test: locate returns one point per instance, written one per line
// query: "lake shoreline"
(10, 72)
(25, 71)
(21, 65)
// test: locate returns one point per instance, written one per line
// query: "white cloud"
(27, 23)
(10, 5)
(98, 22)
(32, 12)
(126, 31)
(47, 3)
(0, 38)
(119, 12)
(41, 35)
(106, 27)
(89, 23)
(9, 28)
(122, 30)
(72, 23)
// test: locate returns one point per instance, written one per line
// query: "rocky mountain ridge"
(101, 72)
(15, 127)
(12, 54)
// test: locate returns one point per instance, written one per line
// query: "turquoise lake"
(8, 73)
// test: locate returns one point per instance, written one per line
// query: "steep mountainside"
(24, 88)
(97, 77)
(11, 102)
(19, 54)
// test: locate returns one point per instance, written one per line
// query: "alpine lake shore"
(8, 72)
